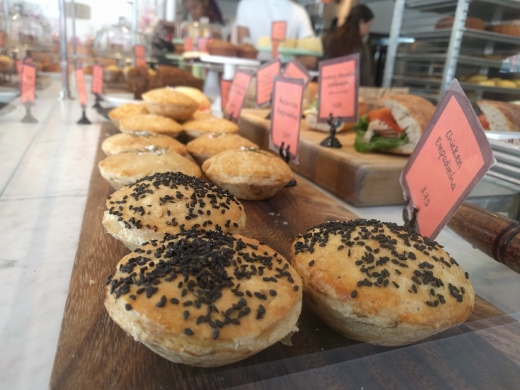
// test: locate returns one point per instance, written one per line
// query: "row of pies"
(147, 145)
(196, 291)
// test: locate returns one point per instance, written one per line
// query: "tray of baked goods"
(223, 276)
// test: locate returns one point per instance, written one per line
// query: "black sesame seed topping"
(311, 263)
(353, 294)
(128, 307)
(188, 332)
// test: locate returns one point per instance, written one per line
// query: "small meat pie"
(211, 144)
(248, 173)
(197, 95)
(125, 168)
(141, 140)
(169, 102)
(185, 298)
(380, 283)
(125, 111)
(198, 128)
(170, 203)
(151, 124)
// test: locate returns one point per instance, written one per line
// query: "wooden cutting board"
(94, 353)
(362, 179)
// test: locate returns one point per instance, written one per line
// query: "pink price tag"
(28, 84)
(237, 94)
(188, 45)
(338, 87)
(294, 70)
(82, 90)
(451, 157)
(97, 80)
(19, 69)
(202, 44)
(225, 86)
(264, 81)
(286, 114)
(278, 31)
(140, 55)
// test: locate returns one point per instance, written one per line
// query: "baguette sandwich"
(311, 117)
(499, 116)
(396, 127)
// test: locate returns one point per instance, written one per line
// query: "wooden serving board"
(94, 353)
(362, 179)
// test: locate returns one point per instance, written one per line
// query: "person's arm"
(241, 23)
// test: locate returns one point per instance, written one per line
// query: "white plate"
(229, 60)
(120, 98)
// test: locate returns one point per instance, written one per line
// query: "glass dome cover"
(118, 41)
(27, 30)
(200, 29)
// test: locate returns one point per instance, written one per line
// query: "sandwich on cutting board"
(396, 127)
(499, 116)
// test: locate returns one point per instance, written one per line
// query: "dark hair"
(345, 40)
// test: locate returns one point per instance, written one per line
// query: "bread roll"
(248, 173)
(169, 203)
(126, 110)
(197, 95)
(151, 124)
(211, 144)
(170, 103)
(125, 168)
(204, 311)
(141, 140)
(379, 283)
(501, 116)
(197, 128)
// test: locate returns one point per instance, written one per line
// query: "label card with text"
(264, 81)
(28, 84)
(188, 45)
(97, 80)
(294, 70)
(286, 114)
(237, 94)
(278, 31)
(225, 86)
(451, 157)
(338, 87)
(202, 44)
(82, 90)
(140, 55)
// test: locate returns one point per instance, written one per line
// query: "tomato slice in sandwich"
(384, 115)
(484, 122)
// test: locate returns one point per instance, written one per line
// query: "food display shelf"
(482, 8)
(445, 34)
(463, 60)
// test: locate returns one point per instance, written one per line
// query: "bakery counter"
(48, 173)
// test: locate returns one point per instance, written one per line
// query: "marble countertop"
(44, 180)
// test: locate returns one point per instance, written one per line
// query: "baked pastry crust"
(177, 202)
(150, 123)
(125, 168)
(141, 140)
(248, 173)
(125, 111)
(211, 144)
(238, 324)
(197, 128)
(378, 283)
(170, 103)
(197, 95)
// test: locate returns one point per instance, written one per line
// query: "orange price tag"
(278, 31)
(82, 90)
(294, 70)
(338, 88)
(19, 69)
(202, 44)
(140, 55)
(97, 80)
(264, 81)
(286, 114)
(28, 84)
(451, 157)
(237, 94)
(188, 44)
(225, 86)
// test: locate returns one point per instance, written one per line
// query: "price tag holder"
(188, 45)
(278, 31)
(338, 87)
(82, 95)
(264, 81)
(140, 55)
(97, 80)
(225, 86)
(28, 90)
(286, 115)
(237, 95)
(450, 159)
(294, 70)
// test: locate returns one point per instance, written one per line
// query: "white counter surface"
(44, 178)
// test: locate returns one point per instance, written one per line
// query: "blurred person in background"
(204, 8)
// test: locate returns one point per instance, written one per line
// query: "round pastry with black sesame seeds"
(380, 283)
(170, 202)
(205, 299)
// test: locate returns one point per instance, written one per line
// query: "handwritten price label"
(140, 55)
(82, 90)
(278, 31)
(237, 94)
(97, 80)
(202, 44)
(286, 114)
(28, 84)
(450, 159)
(188, 45)
(338, 88)
(264, 81)
(225, 86)
(295, 71)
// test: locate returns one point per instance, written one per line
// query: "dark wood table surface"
(94, 353)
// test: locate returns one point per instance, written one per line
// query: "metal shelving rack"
(428, 65)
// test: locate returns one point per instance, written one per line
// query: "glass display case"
(26, 31)
(200, 29)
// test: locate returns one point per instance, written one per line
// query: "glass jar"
(202, 29)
